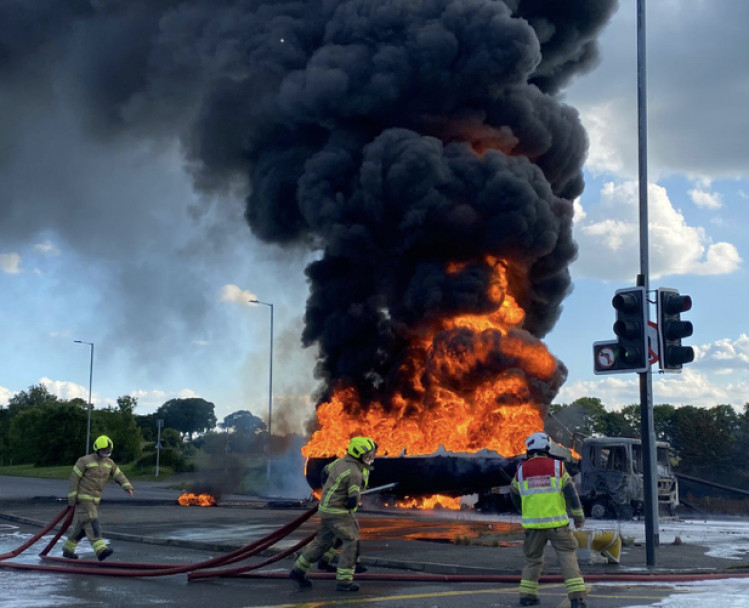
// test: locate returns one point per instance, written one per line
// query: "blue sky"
(107, 241)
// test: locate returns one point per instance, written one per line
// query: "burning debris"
(188, 499)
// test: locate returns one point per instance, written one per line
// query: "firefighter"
(90, 474)
(542, 490)
(339, 501)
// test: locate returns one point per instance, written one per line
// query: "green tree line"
(709, 443)
(39, 428)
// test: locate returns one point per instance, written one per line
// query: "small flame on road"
(188, 499)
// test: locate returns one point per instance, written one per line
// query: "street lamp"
(270, 383)
(90, 382)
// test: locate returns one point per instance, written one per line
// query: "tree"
(586, 416)
(36, 395)
(188, 416)
(243, 421)
(120, 425)
(49, 434)
(127, 404)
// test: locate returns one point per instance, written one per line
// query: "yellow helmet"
(358, 446)
(102, 443)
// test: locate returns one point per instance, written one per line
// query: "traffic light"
(671, 329)
(630, 329)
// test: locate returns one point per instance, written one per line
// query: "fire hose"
(141, 569)
(197, 571)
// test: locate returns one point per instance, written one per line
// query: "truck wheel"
(598, 510)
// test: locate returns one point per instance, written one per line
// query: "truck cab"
(610, 479)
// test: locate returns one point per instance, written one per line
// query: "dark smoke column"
(397, 137)
(407, 142)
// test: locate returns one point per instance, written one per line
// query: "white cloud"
(5, 395)
(47, 248)
(707, 200)
(687, 388)
(608, 236)
(237, 295)
(611, 139)
(10, 263)
(67, 390)
(726, 354)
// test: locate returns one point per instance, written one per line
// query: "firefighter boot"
(104, 554)
(578, 603)
(68, 555)
(300, 578)
(325, 565)
(347, 586)
(531, 600)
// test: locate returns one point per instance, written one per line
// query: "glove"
(579, 521)
(352, 502)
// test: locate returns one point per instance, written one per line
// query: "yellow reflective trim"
(89, 497)
(77, 471)
(92, 464)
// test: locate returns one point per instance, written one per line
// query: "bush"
(169, 457)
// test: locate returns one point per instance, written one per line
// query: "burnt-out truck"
(610, 477)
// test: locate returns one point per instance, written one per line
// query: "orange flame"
(457, 399)
(188, 499)
(429, 502)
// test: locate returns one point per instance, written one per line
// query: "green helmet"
(358, 446)
(102, 443)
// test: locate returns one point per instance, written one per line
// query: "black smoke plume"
(390, 136)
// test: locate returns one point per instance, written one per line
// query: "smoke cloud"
(390, 137)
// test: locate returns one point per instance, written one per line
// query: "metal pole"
(159, 424)
(90, 383)
(650, 490)
(270, 389)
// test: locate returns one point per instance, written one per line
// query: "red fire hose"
(143, 569)
(195, 571)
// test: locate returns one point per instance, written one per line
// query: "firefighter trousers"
(565, 545)
(85, 523)
(342, 527)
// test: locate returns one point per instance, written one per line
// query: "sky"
(106, 239)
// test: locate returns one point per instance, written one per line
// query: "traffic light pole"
(649, 460)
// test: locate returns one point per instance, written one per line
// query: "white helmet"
(538, 442)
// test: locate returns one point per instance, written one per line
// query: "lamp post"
(90, 382)
(270, 384)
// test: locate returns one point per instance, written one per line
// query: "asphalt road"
(143, 531)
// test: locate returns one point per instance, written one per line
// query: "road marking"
(389, 598)
(416, 596)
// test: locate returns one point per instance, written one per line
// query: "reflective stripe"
(96, 499)
(344, 574)
(77, 471)
(543, 520)
(574, 585)
(92, 464)
(303, 564)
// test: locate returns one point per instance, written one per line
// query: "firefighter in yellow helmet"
(543, 490)
(339, 501)
(90, 474)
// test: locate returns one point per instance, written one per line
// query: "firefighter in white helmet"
(542, 490)
(90, 474)
(338, 504)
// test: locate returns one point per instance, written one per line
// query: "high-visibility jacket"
(540, 481)
(89, 477)
(346, 478)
